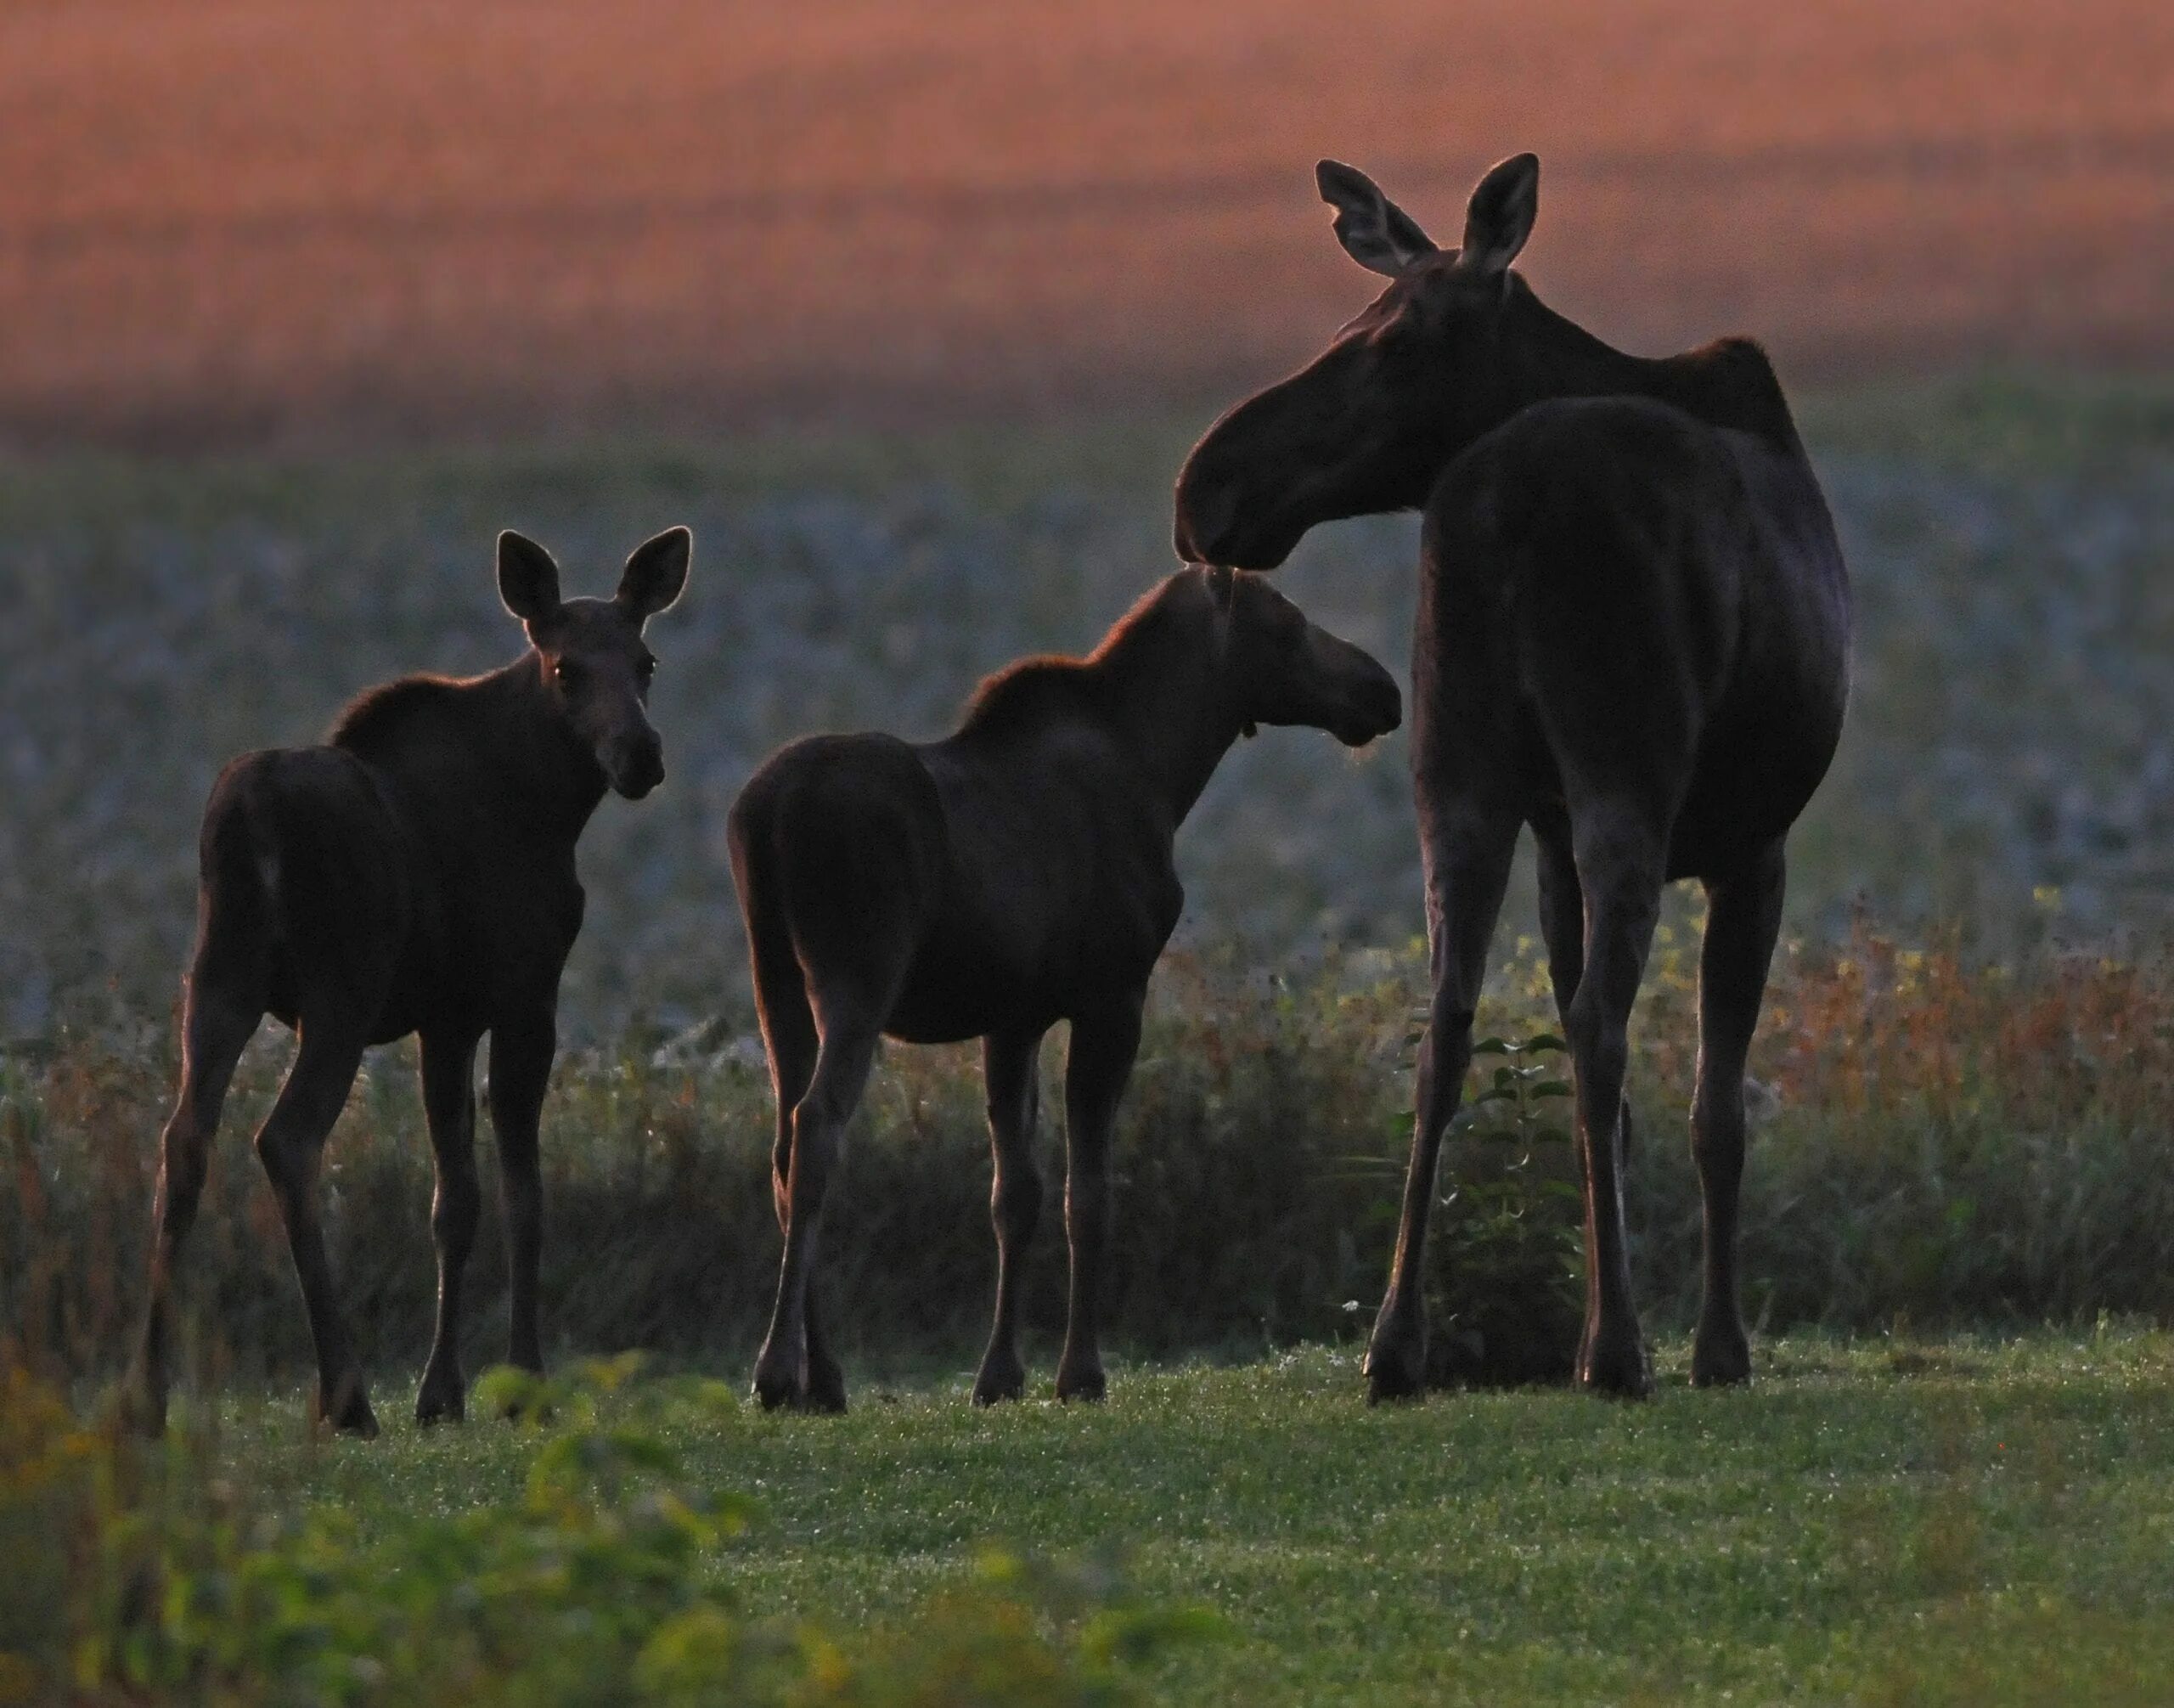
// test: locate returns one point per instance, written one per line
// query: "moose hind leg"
(1008, 1074)
(849, 1027)
(1467, 869)
(790, 1037)
(218, 1026)
(1620, 864)
(1743, 918)
(291, 1144)
(449, 1112)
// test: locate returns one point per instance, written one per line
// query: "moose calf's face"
(595, 664)
(1286, 669)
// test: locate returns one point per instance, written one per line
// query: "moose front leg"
(1015, 1207)
(449, 1112)
(1468, 859)
(1105, 1040)
(522, 1052)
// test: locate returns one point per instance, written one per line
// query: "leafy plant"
(1504, 1283)
(607, 1580)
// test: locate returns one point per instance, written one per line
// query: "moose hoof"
(825, 1390)
(778, 1381)
(350, 1415)
(1090, 1385)
(1722, 1359)
(1396, 1369)
(142, 1410)
(1616, 1369)
(440, 1402)
(999, 1381)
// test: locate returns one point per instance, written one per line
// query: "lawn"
(1881, 1520)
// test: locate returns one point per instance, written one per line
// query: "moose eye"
(646, 670)
(566, 673)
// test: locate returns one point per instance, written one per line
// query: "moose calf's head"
(1366, 426)
(594, 665)
(1284, 669)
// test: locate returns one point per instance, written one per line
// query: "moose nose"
(1379, 705)
(637, 765)
(1207, 510)
(1385, 703)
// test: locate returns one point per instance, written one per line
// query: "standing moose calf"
(988, 885)
(1633, 635)
(414, 874)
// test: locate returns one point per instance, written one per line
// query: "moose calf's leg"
(1743, 918)
(520, 1070)
(849, 1030)
(1099, 1060)
(214, 1033)
(449, 1111)
(290, 1144)
(1467, 868)
(1620, 866)
(1008, 1074)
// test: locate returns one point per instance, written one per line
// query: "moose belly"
(971, 987)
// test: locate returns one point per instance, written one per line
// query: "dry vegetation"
(283, 218)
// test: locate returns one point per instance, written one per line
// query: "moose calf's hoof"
(1081, 1384)
(439, 1403)
(143, 1412)
(350, 1416)
(999, 1379)
(1395, 1370)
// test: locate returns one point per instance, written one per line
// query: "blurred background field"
(2009, 767)
(314, 220)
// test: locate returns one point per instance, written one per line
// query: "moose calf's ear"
(656, 570)
(1499, 218)
(1374, 231)
(528, 580)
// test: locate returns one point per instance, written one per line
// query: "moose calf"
(414, 874)
(990, 885)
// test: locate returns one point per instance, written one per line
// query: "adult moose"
(414, 874)
(1633, 635)
(990, 885)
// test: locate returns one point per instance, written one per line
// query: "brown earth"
(244, 221)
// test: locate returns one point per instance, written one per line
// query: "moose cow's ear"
(656, 570)
(1500, 217)
(1374, 231)
(528, 579)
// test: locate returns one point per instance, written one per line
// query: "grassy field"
(253, 221)
(1888, 1521)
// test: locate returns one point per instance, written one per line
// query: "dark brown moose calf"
(1633, 635)
(414, 874)
(990, 885)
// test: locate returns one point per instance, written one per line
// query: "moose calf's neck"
(491, 744)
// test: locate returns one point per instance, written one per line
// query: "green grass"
(1883, 1520)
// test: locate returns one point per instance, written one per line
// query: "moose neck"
(1163, 696)
(1547, 355)
(537, 769)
